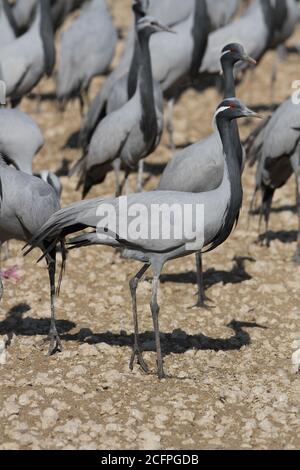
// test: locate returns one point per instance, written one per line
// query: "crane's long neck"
(230, 92)
(146, 89)
(200, 32)
(229, 80)
(134, 65)
(234, 174)
(47, 35)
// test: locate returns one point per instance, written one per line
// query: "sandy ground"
(230, 383)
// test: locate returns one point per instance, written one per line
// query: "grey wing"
(24, 142)
(240, 31)
(198, 168)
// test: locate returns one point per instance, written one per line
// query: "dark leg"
(202, 298)
(55, 343)
(139, 185)
(119, 185)
(136, 353)
(296, 257)
(170, 128)
(155, 311)
(268, 194)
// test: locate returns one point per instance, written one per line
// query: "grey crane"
(26, 203)
(271, 28)
(115, 84)
(23, 12)
(26, 60)
(172, 58)
(21, 139)
(137, 126)
(112, 228)
(276, 147)
(200, 167)
(7, 32)
(87, 49)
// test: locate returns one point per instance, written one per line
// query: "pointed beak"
(250, 60)
(165, 29)
(252, 114)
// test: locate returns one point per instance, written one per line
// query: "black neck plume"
(200, 32)
(236, 190)
(149, 119)
(47, 35)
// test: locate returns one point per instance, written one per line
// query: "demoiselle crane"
(112, 227)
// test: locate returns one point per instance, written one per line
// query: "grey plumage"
(26, 60)
(7, 33)
(221, 211)
(259, 17)
(87, 49)
(137, 126)
(26, 202)
(113, 93)
(277, 147)
(23, 12)
(200, 167)
(20, 138)
(172, 57)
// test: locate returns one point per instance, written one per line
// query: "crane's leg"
(267, 199)
(280, 57)
(139, 186)
(202, 298)
(119, 185)
(170, 127)
(155, 312)
(126, 183)
(53, 336)
(137, 353)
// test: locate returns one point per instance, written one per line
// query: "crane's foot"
(55, 342)
(202, 303)
(136, 353)
(160, 371)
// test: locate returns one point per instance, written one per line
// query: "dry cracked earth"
(230, 381)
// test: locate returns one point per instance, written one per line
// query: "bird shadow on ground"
(236, 275)
(176, 342)
(15, 323)
(282, 236)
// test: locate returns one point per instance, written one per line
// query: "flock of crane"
(172, 45)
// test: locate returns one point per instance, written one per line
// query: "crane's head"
(150, 25)
(234, 53)
(232, 108)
